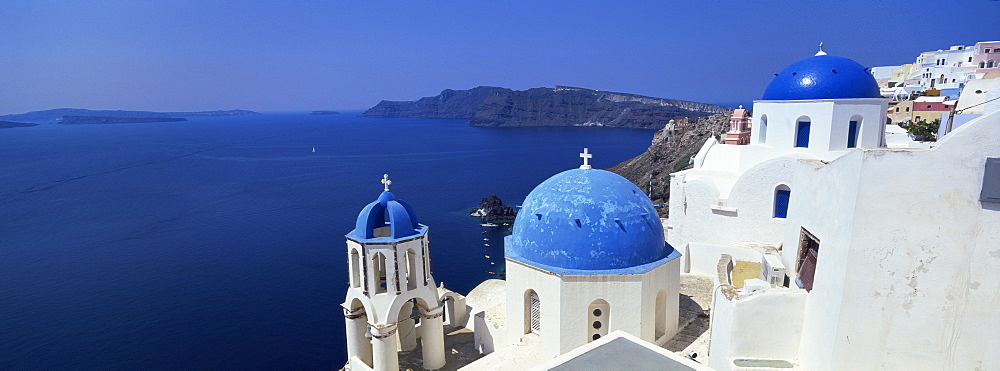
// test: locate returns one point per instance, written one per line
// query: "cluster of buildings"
(868, 257)
(942, 85)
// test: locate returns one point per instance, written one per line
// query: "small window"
(970, 59)
(987, 50)
(802, 133)
(852, 134)
(991, 181)
(907, 109)
(897, 109)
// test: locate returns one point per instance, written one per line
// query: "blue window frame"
(852, 135)
(802, 134)
(781, 197)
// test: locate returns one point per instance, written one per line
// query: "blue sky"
(312, 55)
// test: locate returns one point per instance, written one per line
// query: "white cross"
(821, 52)
(586, 156)
(386, 182)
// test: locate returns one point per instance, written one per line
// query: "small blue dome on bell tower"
(386, 217)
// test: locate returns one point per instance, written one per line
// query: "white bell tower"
(392, 300)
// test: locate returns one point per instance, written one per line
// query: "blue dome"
(387, 211)
(587, 219)
(822, 77)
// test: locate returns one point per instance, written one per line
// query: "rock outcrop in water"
(492, 209)
(669, 152)
(559, 106)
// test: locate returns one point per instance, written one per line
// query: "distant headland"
(10, 124)
(115, 116)
(94, 120)
(560, 106)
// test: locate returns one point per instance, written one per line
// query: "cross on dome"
(386, 182)
(821, 52)
(586, 156)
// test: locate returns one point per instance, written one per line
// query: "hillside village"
(944, 85)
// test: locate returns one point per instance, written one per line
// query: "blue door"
(802, 134)
(852, 135)
(781, 197)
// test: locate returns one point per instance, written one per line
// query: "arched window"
(532, 312)
(411, 269)
(782, 194)
(990, 64)
(982, 64)
(802, 132)
(853, 129)
(355, 268)
(661, 314)
(597, 319)
(378, 268)
(762, 132)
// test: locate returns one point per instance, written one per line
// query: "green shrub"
(923, 130)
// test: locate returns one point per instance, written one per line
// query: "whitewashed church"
(868, 257)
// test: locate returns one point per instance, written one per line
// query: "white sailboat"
(314, 149)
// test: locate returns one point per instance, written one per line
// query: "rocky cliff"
(450, 104)
(566, 106)
(669, 152)
(559, 106)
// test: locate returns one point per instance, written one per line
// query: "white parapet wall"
(765, 325)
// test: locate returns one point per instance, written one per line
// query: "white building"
(810, 115)
(874, 258)
(587, 257)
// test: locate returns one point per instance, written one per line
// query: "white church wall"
(705, 231)
(825, 208)
(625, 296)
(829, 123)
(906, 267)
(782, 118)
(521, 278)
(763, 325)
(922, 272)
(566, 320)
(872, 123)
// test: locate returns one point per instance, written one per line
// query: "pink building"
(739, 127)
(987, 56)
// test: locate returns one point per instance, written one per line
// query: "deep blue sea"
(218, 243)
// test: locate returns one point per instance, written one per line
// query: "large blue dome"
(386, 211)
(822, 77)
(587, 219)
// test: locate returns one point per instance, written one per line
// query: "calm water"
(218, 243)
